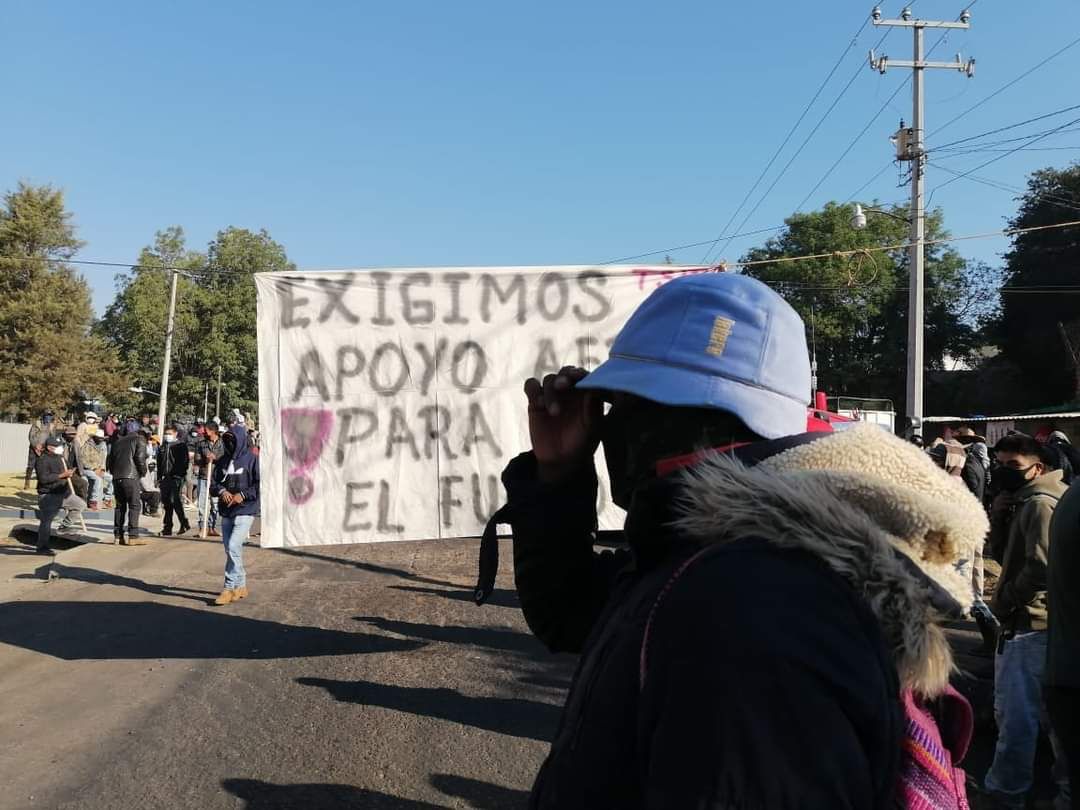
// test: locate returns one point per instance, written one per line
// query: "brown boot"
(132, 541)
(226, 597)
(240, 592)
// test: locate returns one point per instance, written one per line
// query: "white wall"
(13, 446)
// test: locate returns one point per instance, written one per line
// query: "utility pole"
(205, 399)
(163, 401)
(911, 147)
(217, 407)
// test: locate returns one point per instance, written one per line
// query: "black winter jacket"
(127, 457)
(47, 468)
(768, 682)
(974, 477)
(173, 460)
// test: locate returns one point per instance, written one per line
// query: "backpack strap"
(678, 572)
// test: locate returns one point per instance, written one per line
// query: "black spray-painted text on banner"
(397, 394)
(550, 296)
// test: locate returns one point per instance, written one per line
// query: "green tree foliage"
(48, 356)
(135, 321)
(1037, 328)
(215, 317)
(856, 306)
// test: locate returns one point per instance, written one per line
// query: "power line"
(1050, 198)
(1005, 128)
(851, 145)
(870, 123)
(754, 263)
(798, 151)
(676, 248)
(966, 152)
(1006, 86)
(787, 138)
(1035, 139)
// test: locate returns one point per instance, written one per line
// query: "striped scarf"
(928, 778)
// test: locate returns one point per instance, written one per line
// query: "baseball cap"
(90, 416)
(715, 340)
(54, 441)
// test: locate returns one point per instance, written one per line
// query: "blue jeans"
(1018, 709)
(234, 531)
(204, 493)
(97, 484)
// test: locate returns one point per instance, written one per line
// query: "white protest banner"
(391, 400)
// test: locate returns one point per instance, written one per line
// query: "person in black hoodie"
(173, 462)
(236, 486)
(126, 463)
(54, 491)
(776, 616)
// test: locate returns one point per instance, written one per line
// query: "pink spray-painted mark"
(304, 431)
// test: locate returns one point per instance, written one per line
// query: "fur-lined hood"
(875, 509)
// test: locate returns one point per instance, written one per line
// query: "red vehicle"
(820, 419)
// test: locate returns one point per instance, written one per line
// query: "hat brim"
(768, 414)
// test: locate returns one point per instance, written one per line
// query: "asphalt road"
(359, 676)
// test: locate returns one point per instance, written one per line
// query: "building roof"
(1010, 418)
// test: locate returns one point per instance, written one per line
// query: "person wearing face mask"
(172, 473)
(1030, 491)
(236, 486)
(40, 430)
(771, 636)
(92, 452)
(54, 492)
(126, 463)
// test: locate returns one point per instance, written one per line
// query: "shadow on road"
(268, 796)
(513, 716)
(96, 577)
(492, 638)
(546, 681)
(480, 795)
(365, 566)
(500, 597)
(138, 630)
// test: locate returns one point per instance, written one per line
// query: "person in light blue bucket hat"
(774, 615)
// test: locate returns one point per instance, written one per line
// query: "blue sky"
(433, 133)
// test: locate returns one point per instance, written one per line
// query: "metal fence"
(13, 446)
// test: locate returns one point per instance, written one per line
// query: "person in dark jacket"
(780, 594)
(1031, 489)
(236, 486)
(172, 475)
(54, 491)
(40, 431)
(1068, 456)
(210, 450)
(126, 463)
(1062, 681)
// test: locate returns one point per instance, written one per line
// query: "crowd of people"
(135, 469)
(773, 634)
(1022, 482)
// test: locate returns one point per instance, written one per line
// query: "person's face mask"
(169, 438)
(624, 472)
(58, 451)
(1011, 479)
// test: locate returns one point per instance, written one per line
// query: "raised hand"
(564, 423)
